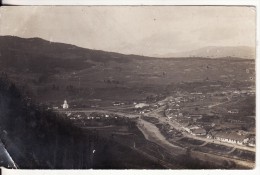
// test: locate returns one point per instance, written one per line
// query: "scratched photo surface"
(127, 87)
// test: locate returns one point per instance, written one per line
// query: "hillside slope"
(57, 71)
(37, 138)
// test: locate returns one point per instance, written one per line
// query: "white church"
(65, 105)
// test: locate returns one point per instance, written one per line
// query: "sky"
(141, 30)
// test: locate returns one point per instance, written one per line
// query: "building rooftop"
(198, 131)
(230, 135)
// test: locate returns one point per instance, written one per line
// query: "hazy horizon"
(245, 52)
(138, 30)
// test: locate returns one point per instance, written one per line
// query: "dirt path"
(152, 133)
(231, 150)
(203, 144)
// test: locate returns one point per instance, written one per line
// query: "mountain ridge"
(35, 43)
(244, 52)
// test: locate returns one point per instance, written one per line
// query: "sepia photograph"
(128, 87)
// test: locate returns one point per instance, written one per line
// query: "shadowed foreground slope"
(36, 138)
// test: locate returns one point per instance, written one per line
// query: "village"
(221, 121)
(211, 122)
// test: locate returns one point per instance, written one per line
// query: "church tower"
(65, 105)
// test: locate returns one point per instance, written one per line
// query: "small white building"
(251, 142)
(141, 105)
(195, 130)
(234, 111)
(65, 105)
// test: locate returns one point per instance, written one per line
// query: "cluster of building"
(65, 105)
(91, 116)
(235, 137)
(143, 108)
(202, 121)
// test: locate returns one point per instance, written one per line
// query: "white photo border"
(255, 3)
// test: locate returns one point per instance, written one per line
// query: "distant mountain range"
(38, 46)
(216, 52)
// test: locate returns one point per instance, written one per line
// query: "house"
(141, 105)
(160, 103)
(195, 130)
(184, 123)
(229, 137)
(116, 103)
(198, 132)
(251, 142)
(196, 93)
(234, 111)
(195, 117)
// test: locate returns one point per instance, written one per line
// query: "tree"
(14, 91)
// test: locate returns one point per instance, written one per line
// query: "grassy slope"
(40, 65)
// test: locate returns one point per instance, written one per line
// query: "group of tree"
(36, 137)
(55, 87)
